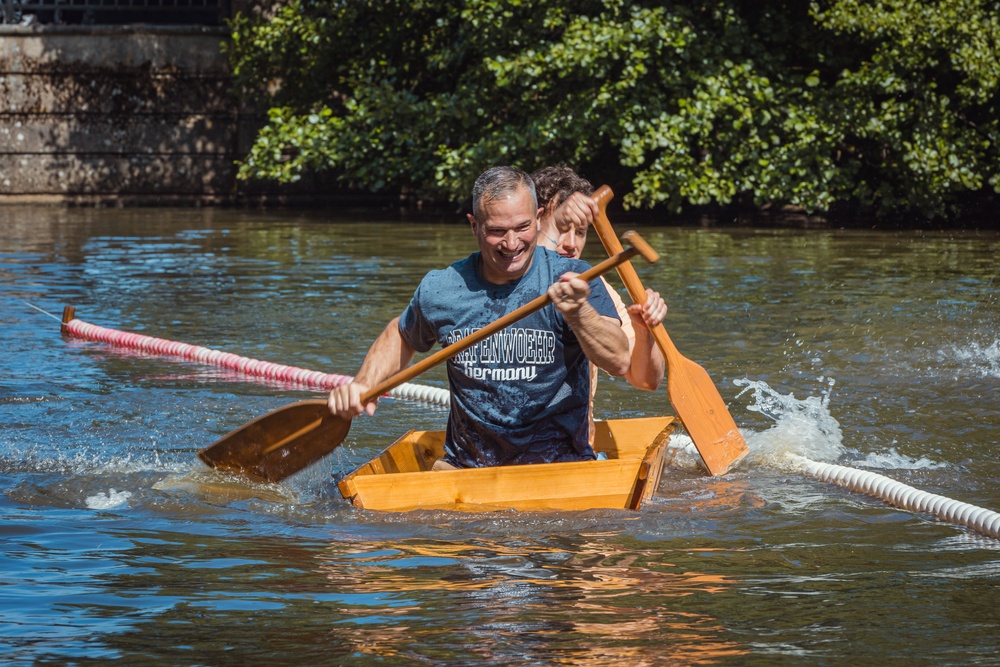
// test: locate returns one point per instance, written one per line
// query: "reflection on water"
(868, 349)
(565, 601)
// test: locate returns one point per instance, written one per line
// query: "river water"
(876, 350)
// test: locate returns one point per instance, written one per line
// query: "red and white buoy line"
(244, 365)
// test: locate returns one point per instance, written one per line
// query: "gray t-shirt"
(522, 395)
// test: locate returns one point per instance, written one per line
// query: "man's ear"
(472, 221)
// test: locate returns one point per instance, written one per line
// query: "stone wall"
(117, 115)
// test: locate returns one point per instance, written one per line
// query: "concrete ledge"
(102, 174)
(58, 48)
(194, 134)
(112, 30)
(115, 91)
(115, 200)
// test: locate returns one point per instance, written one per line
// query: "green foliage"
(891, 104)
(923, 104)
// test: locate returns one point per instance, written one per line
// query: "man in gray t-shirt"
(522, 395)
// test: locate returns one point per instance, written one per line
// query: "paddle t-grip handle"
(612, 246)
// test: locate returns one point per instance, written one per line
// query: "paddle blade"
(280, 443)
(704, 415)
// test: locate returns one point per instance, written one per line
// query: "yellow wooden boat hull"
(400, 479)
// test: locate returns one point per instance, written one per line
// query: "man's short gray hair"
(496, 182)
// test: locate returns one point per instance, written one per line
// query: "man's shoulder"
(440, 286)
(559, 264)
(453, 272)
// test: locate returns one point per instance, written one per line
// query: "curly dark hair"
(559, 182)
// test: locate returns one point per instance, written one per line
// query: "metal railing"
(115, 12)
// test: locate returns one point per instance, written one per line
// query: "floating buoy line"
(897, 494)
(981, 520)
(77, 328)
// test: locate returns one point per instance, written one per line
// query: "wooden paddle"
(691, 391)
(286, 440)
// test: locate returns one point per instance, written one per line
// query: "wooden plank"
(398, 479)
(648, 476)
(417, 453)
(566, 486)
(413, 452)
(629, 438)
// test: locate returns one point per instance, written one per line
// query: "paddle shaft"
(626, 271)
(639, 247)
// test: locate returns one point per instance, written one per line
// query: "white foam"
(984, 360)
(805, 427)
(801, 426)
(104, 501)
(88, 460)
(685, 455)
(893, 460)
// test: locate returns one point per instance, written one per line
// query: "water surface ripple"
(869, 349)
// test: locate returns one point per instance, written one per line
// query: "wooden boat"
(400, 479)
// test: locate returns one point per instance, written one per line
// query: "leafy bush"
(887, 104)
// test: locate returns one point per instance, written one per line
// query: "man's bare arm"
(647, 367)
(388, 355)
(601, 338)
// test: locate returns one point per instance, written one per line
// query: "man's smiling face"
(506, 235)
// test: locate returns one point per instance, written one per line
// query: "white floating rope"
(983, 521)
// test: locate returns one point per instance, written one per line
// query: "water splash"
(109, 500)
(684, 455)
(893, 460)
(984, 360)
(805, 427)
(801, 426)
(87, 460)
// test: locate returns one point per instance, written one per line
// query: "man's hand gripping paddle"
(689, 388)
(286, 440)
